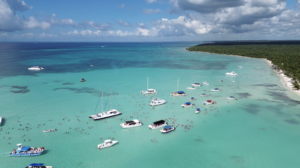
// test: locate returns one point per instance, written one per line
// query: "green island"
(285, 55)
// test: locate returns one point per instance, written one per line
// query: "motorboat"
(191, 88)
(158, 124)
(187, 104)
(205, 83)
(197, 110)
(35, 68)
(148, 91)
(215, 90)
(82, 80)
(130, 124)
(0, 120)
(167, 129)
(107, 143)
(27, 151)
(239, 66)
(157, 101)
(196, 84)
(38, 165)
(192, 98)
(50, 130)
(230, 98)
(208, 102)
(178, 93)
(203, 95)
(231, 73)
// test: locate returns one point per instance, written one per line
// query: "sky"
(148, 20)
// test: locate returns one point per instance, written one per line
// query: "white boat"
(157, 101)
(158, 124)
(208, 102)
(35, 68)
(38, 165)
(197, 111)
(196, 84)
(239, 66)
(130, 124)
(178, 93)
(215, 90)
(191, 88)
(192, 98)
(167, 129)
(203, 95)
(230, 98)
(148, 91)
(187, 104)
(231, 73)
(205, 83)
(107, 143)
(50, 130)
(0, 120)
(233, 81)
(107, 114)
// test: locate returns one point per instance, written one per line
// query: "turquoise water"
(259, 130)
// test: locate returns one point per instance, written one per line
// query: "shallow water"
(257, 130)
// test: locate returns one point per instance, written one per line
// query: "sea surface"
(258, 130)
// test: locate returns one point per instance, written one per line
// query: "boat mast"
(110, 99)
(147, 82)
(177, 84)
(102, 100)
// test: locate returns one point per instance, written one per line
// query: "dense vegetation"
(284, 55)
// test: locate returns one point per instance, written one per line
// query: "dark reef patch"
(19, 89)
(266, 85)
(284, 98)
(292, 121)
(86, 90)
(252, 108)
(237, 159)
(67, 83)
(245, 95)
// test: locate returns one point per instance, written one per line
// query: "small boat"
(187, 104)
(179, 93)
(38, 165)
(167, 129)
(27, 151)
(208, 102)
(148, 91)
(233, 81)
(35, 68)
(50, 130)
(157, 101)
(0, 120)
(196, 84)
(215, 90)
(82, 80)
(192, 98)
(231, 73)
(130, 124)
(203, 95)
(239, 66)
(197, 111)
(230, 98)
(191, 87)
(107, 143)
(158, 124)
(205, 83)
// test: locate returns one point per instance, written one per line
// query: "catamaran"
(157, 101)
(148, 91)
(110, 113)
(27, 151)
(158, 124)
(107, 143)
(178, 93)
(130, 124)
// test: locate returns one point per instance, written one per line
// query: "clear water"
(260, 129)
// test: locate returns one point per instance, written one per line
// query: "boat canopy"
(167, 127)
(36, 164)
(208, 100)
(180, 92)
(192, 97)
(107, 141)
(24, 148)
(203, 93)
(198, 109)
(159, 122)
(216, 88)
(231, 96)
(129, 122)
(188, 103)
(197, 83)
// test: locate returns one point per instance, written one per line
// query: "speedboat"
(38, 165)
(179, 93)
(203, 94)
(196, 84)
(35, 68)
(130, 124)
(231, 73)
(50, 130)
(230, 98)
(158, 124)
(82, 80)
(0, 120)
(215, 90)
(197, 111)
(107, 114)
(191, 87)
(149, 91)
(208, 102)
(205, 83)
(157, 101)
(107, 143)
(192, 98)
(187, 104)
(239, 66)
(167, 129)
(27, 151)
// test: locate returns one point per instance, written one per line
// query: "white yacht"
(230, 98)
(107, 143)
(130, 124)
(158, 124)
(197, 111)
(208, 102)
(50, 130)
(196, 84)
(36, 68)
(215, 90)
(187, 104)
(239, 66)
(107, 114)
(192, 88)
(157, 101)
(178, 93)
(205, 83)
(148, 91)
(0, 120)
(231, 73)
(167, 129)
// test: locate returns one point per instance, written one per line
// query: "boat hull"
(159, 103)
(101, 146)
(27, 154)
(151, 127)
(101, 118)
(131, 126)
(166, 132)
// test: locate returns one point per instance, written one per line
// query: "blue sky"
(148, 20)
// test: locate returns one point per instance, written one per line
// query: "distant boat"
(205, 83)
(130, 124)
(192, 88)
(50, 130)
(178, 93)
(239, 66)
(27, 151)
(231, 73)
(148, 91)
(0, 120)
(208, 102)
(231, 98)
(158, 124)
(35, 68)
(157, 101)
(197, 110)
(167, 129)
(107, 143)
(192, 98)
(82, 80)
(187, 104)
(196, 84)
(203, 94)
(215, 90)
(38, 165)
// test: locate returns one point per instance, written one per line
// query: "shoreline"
(285, 80)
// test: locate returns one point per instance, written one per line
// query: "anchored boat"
(197, 111)
(148, 91)
(187, 104)
(35, 68)
(231, 73)
(157, 101)
(50, 130)
(107, 143)
(130, 124)
(27, 151)
(205, 83)
(178, 93)
(196, 84)
(38, 165)
(215, 90)
(158, 124)
(203, 94)
(167, 129)
(231, 98)
(208, 102)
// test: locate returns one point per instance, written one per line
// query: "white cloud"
(3, 35)
(121, 6)
(151, 11)
(123, 23)
(150, 1)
